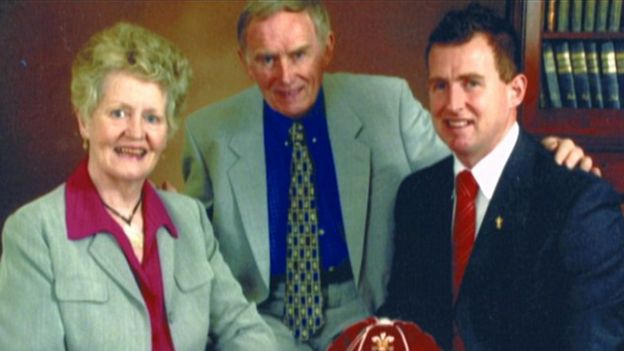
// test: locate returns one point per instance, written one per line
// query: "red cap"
(384, 335)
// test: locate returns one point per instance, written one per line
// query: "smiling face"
(472, 107)
(285, 57)
(127, 131)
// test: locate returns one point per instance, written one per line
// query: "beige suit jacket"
(57, 294)
(379, 134)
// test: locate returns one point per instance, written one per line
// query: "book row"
(583, 16)
(582, 74)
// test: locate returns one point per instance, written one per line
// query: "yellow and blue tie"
(303, 300)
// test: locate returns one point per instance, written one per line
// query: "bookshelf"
(600, 131)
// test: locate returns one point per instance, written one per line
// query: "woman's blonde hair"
(133, 49)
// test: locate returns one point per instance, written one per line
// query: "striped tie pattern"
(466, 188)
(303, 299)
(464, 229)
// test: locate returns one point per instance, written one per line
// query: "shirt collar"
(488, 170)
(154, 212)
(312, 120)
(85, 215)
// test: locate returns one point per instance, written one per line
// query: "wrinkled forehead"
(280, 27)
(281, 38)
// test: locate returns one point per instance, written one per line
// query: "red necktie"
(466, 189)
(464, 229)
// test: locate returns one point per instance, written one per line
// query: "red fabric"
(384, 335)
(86, 216)
(464, 229)
(458, 343)
(466, 189)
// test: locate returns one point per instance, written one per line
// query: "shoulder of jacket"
(362, 80)
(555, 182)
(227, 108)
(431, 175)
(48, 208)
(178, 201)
(51, 202)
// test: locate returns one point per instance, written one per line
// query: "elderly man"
(497, 247)
(299, 174)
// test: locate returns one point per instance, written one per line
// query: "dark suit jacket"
(550, 278)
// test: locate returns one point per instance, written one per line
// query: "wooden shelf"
(599, 131)
(596, 36)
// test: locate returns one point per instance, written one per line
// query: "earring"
(85, 144)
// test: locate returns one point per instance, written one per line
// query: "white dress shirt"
(488, 170)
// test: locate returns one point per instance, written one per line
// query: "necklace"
(127, 220)
(135, 235)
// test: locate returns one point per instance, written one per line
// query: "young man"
(363, 135)
(516, 252)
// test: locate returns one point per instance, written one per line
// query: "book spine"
(602, 12)
(579, 71)
(593, 73)
(589, 16)
(563, 14)
(576, 24)
(542, 99)
(551, 7)
(615, 15)
(564, 72)
(550, 72)
(610, 91)
(619, 64)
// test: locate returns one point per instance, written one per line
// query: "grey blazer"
(379, 134)
(57, 294)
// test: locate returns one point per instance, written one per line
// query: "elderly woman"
(106, 261)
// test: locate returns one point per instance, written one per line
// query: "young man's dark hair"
(459, 26)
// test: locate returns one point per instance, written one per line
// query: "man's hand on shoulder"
(569, 154)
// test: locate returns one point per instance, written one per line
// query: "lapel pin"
(499, 222)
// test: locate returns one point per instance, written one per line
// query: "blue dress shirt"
(278, 153)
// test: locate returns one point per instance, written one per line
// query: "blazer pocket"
(194, 277)
(80, 290)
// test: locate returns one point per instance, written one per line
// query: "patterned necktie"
(466, 189)
(303, 300)
(464, 229)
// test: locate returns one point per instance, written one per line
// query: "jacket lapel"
(504, 221)
(352, 162)
(438, 250)
(108, 255)
(351, 159)
(167, 262)
(248, 180)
